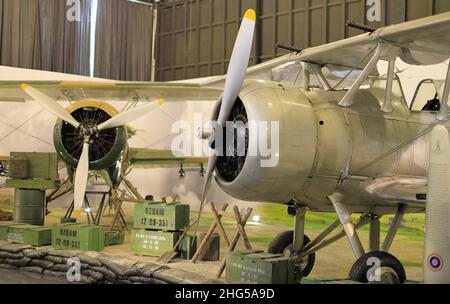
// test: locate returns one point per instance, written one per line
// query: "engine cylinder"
(107, 146)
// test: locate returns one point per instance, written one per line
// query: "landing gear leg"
(337, 200)
(299, 229)
(299, 238)
(394, 228)
(293, 243)
(374, 236)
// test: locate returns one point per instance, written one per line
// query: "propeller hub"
(234, 153)
(101, 142)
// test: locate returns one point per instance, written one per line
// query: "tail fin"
(437, 235)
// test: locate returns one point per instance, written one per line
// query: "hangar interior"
(182, 43)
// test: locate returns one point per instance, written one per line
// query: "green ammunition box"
(153, 243)
(39, 165)
(40, 184)
(255, 267)
(18, 168)
(78, 237)
(28, 234)
(4, 230)
(188, 247)
(167, 217)
(113, 238)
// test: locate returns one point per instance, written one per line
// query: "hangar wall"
(124, 34)
(196, 37)
(44, 35)
(37, 35)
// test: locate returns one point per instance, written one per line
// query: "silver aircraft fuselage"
(376, 159)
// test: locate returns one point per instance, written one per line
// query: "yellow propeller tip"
(250, 14)
(24, 86)
(161, 101)
(77, 212)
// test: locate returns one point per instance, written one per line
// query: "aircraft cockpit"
(427, 97)
(310, 76)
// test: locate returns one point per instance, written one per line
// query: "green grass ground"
(412, 226)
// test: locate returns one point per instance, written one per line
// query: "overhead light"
(256, 219)
(3, 170)
(182, 173)
(202, 171)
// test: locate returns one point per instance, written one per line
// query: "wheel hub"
(301, 263)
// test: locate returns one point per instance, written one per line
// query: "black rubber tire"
(285, 240)
(360, 269)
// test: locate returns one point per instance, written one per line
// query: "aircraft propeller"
(237, 71)
(82, 170)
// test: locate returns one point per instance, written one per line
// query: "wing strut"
(314, 69)
(443, 114)
(384, 52)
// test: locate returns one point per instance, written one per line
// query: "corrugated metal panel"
(196, 37)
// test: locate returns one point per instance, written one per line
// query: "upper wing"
(138, 91)
(424, 41)
(146, 158)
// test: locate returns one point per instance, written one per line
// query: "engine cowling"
(244, 177)
(107, 147)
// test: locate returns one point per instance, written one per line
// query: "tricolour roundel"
(435, 262)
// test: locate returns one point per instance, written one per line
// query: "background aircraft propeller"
(82, 171)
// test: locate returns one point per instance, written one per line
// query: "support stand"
(201, 250)
(241, 222)
(108, 200)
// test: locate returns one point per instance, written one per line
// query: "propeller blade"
(50, 104)
(237, 69)
(81, 179)
(129, 116)
(209, 175)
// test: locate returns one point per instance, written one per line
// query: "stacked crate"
(31, 174)
(78, 237)
(157, 227)
(26, 234)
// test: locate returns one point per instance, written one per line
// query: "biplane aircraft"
(349, 142)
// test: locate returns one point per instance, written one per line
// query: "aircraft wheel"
(391, 269)
(283, 244)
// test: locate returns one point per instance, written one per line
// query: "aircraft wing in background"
(150, 158)
(10, 91)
